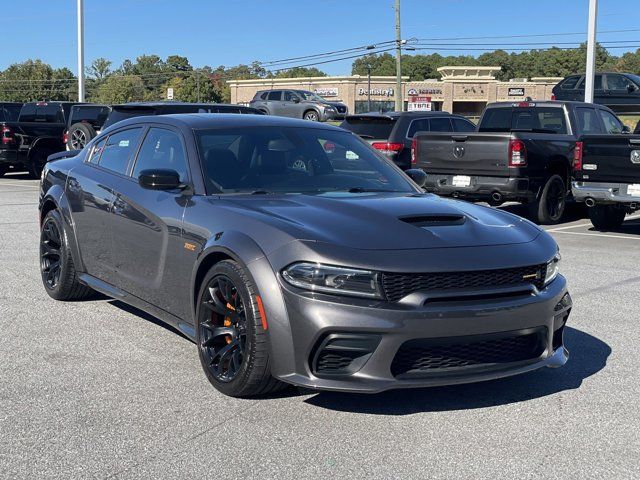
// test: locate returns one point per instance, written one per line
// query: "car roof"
(547, 103)
(392, 115)
(173, 104)
(199, 121)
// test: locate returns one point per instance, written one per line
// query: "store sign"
(418, 103)
(412, 92)
(377, 92)
(326, 92)
(169, 93)
(516, 92)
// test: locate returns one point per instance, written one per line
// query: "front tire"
(311, 115)
(549, 208)
(232, 343)
(606, 217)
(58, 272)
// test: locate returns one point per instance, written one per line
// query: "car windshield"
(310, 96)
(263, 160)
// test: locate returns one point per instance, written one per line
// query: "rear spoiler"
(61, 155)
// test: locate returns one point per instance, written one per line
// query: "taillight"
(388, 148)
(7, 136)
(553, 96)
(517, 153)
(577, 156)
(414, 151)
(65, 136)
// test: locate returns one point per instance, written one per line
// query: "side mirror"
(626, 129)
(631, 88)
(160, 179)
(295, 100)
(417, 175)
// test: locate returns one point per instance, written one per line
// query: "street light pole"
(591, 52)
(368, 87)
(399, 102)
(198, 84)
(81, 50)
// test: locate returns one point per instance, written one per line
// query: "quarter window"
(162, 149)
(96, 151)
(570, 83)
(440, 125)
(420, 125)
(119, 149)
(588, 121)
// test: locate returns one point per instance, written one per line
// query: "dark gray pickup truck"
(520, 152)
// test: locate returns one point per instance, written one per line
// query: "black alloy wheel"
(549, 208)
(51, 254)
(555, 199)
(223, 330)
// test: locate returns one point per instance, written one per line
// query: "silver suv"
(298, 104)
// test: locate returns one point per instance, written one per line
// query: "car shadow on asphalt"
(146, 316)
(629, 227)
(574, 211)
(587, 356)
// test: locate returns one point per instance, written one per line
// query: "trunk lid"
(610, 159)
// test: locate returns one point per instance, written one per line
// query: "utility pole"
(591, 51)
(81, 50)
(399, 100)
(368, 87)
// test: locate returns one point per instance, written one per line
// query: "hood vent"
(442, 220)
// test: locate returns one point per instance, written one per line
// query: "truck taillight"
(577, 156)
(65, 136)
(517, 153)
(7, 136)
(414, 152)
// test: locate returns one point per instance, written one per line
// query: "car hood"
(385, 221)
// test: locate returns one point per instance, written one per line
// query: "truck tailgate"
(482, 154)
(610, 159)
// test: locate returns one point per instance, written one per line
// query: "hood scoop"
(434, 220)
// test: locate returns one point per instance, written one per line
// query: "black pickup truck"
(26, 143)
(520, 152)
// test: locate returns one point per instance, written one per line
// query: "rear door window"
(96, 151)
(588, 122)
(440, 125)
(612, 125)
(275, 95)
(119, 149)
(618, 82)
(370, 127)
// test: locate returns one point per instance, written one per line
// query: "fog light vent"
(343, 354)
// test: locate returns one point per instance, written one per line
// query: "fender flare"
(245, 251)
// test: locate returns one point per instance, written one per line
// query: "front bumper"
(603, 193)
(483, 188)
(384, 327)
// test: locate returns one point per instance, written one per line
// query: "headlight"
(553, 268)
(336, 280)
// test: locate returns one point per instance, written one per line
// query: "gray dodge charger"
(293, 253)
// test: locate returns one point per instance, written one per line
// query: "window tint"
(49, 113)
(440, 125)
(9, 113)
(611, 124)
(547, 120)
(462, 125)
(264, 95)
(496, 120)
(162, 148)
(419, 125)
(598, 83)
(618, 82)
(96, 151)
(588, 121)
(119, 149)
(570, 83)
(289, 96)
(275, 95)
(370, 127)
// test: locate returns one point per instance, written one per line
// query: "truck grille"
(433, 355)
(341, 109)
(399, 285)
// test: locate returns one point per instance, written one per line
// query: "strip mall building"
(462, 90)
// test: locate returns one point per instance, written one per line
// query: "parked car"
(521, 152)
(298, 104)
(392, 133)
(84, 123)
(618, 91)
(606, 174)
(313, 276)
(9, 111)
(36, 134)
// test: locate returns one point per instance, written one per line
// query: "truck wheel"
(548, 209)
(311, 115)
(37, 162)
(606, 217)
(79, 135)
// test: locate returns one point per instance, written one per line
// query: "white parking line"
(568, 227)
(600, 235)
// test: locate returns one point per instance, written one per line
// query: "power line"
(529, 35)
(346, 50)
(334, 60)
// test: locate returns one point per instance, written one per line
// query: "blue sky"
(214, 32)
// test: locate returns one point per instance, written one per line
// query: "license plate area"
(633, 190)
(461, 181)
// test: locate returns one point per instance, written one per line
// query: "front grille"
(433, 355)
(341, 109)
(399, 285)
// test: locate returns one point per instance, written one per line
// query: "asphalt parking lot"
(98, 389)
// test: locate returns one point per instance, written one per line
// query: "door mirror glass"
(160, 179)
(417, 175)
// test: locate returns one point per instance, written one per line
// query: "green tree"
(384, 64)
(629, 62)
(186, 88)
(297, 72)
(34, 80)
(121, 89)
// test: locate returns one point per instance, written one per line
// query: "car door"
(619, 90)
(90, 191)
(274, 102)
(147, 225)
(291, 104)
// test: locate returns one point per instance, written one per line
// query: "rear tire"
(58, 272)
(37, 162)
(606, 217)
(79, 135)
(549, 208)
(232, 344)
